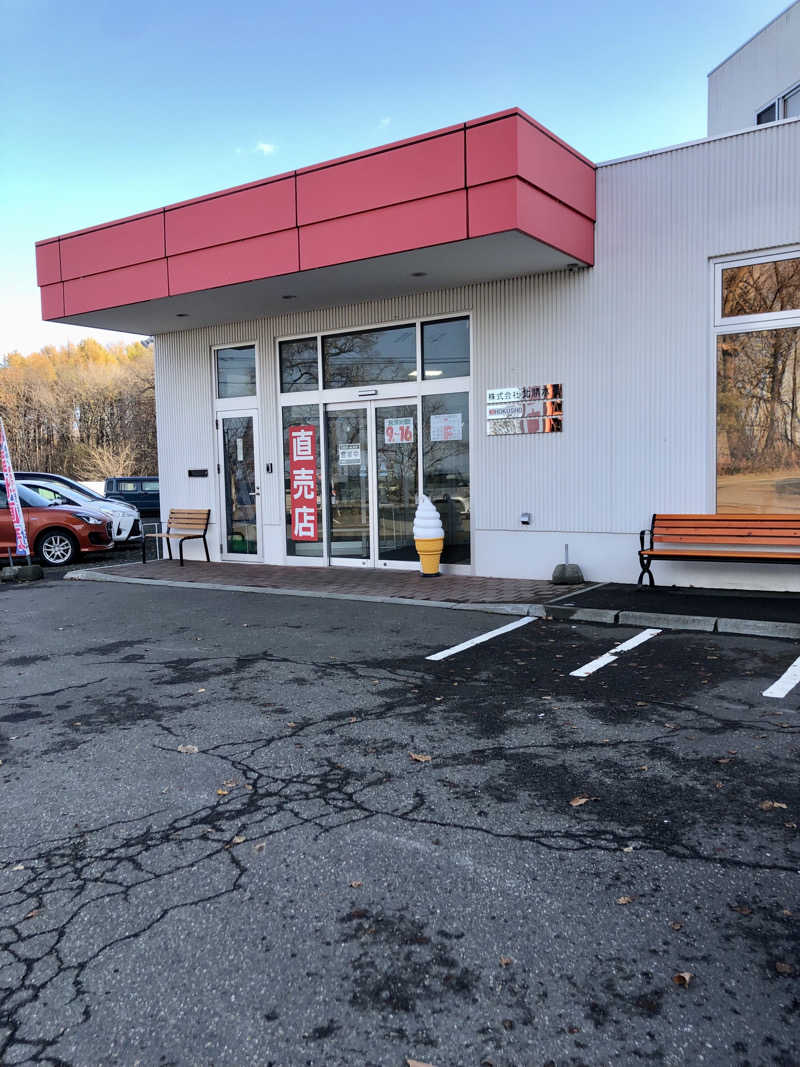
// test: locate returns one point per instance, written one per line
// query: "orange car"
(57, 533)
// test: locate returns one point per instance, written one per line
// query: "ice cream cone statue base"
(430, 552)
(428, 537)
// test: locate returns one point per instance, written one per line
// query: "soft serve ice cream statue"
(428, 537)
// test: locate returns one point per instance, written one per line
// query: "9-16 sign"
(398, 431)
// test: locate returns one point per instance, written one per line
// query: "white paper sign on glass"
(398, 431)
(446, 427)
(501, 396)
(349, 455)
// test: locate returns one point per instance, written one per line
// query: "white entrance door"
(372, 460)
(240, 490)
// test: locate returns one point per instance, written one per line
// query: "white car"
(126, 522)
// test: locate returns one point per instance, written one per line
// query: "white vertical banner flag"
(12, 495)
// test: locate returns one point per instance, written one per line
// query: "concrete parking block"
(605, 615)
(758, 627)
(667, 622)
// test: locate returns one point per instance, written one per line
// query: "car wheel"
(57, 548)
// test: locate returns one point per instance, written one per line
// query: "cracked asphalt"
(300, 892)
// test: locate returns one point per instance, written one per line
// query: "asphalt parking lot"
(364, 856)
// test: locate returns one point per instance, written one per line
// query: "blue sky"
(108, 109)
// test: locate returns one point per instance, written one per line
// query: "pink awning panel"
(504, 173)
(219, 220)
(109, 247)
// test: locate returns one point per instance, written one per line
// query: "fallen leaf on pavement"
(18, 867)
(770, 805)
(682, 978)
(33, 914)
(418, 1063)
(238, 840)
(291, 724)
(201, 690)
(786, 911)
(577, 801)
(625, 900)
(222, 792)
(628, 848)
(781, 968)
(356, 885)
(790, 825)
(230, 784)
(506, 961)
(420, 757)
(725, 759)
(676, 926)
(743, 909)
(187, 750)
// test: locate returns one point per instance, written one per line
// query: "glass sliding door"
(302, 450)
(396, 466)
(240, 489)
(349, 525)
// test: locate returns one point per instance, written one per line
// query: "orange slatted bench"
(748, 539)
(183, 524)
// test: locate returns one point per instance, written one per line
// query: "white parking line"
(480, 639)
(786, 683)
(610, 657)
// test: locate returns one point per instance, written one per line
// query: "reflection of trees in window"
(761, 288)
(445, 348)
(298, 365)
(370, 357)
(758, 375)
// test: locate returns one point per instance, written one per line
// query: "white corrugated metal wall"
(630, 339)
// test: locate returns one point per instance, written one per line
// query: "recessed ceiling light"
(181, 314)
(419, 274)
(288, 296)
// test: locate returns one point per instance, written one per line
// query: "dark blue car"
(141, 492)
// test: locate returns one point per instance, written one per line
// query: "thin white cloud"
(384, 122)
(266, 148)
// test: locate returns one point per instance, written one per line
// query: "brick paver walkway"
(353, 582)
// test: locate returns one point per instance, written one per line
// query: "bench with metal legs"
(183, 524)
(746, 538)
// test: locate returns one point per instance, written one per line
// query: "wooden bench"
(183, 524)
(749, 538)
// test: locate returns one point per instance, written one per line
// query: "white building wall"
(762, 69)
(631, 341)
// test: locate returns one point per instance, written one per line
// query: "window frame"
(779, 100)
(416, 387)
(744, 323)
(234, 402)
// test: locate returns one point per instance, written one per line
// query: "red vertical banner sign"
(303, 482)
(14, 506)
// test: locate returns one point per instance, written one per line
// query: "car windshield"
(54, 493)
(27, 497)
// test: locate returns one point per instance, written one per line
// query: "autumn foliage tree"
(85, 410)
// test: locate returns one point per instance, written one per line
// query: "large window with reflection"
(769, 287)
(758, 421)
(369, 357)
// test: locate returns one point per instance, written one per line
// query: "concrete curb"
(703, 623)
(670, 622)
(606, 616)
(492, 609)
(758, 628)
